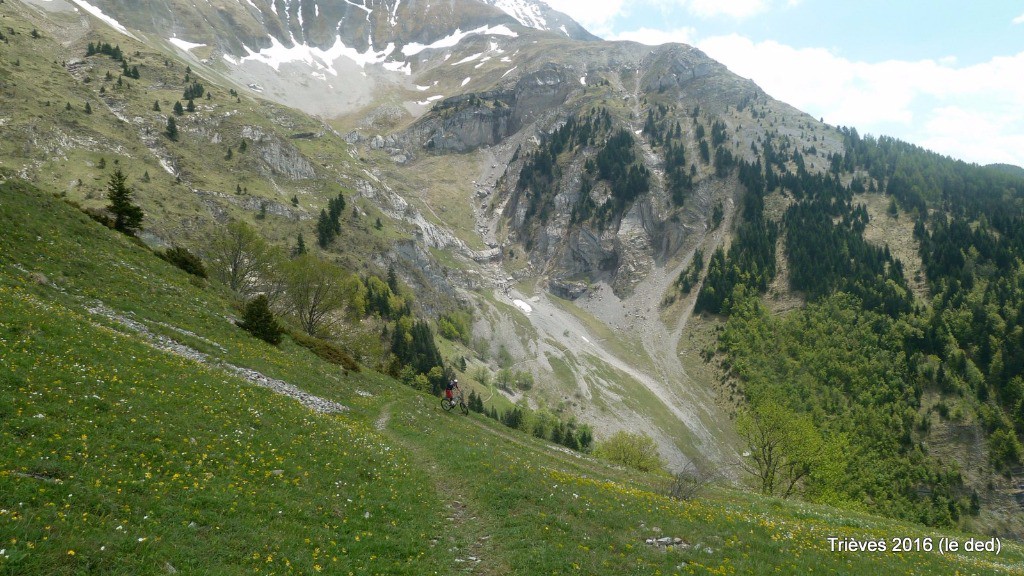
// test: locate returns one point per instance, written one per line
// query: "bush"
(637, 451)
(327, 351)
(259, 321)
(524, 380)
(185, 260)
(1004, 449)
(689, 482)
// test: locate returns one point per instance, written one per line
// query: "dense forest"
(855, 363)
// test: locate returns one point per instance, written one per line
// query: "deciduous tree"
(784, 447)
(241, 259)
(315, 292)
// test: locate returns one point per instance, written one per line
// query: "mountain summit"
(328, 57)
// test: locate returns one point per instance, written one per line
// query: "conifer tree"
(392, 279)
(178, 110)
(324, 229)
(300, 246)
(127, 216)
(172, 129)
(191, 106)
(88, 108)
(259, 321)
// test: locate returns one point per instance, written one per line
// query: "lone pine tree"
(127, 215)
(172, 128)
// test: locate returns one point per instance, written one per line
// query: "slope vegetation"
(120, 456)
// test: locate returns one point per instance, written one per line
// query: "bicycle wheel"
(464, 408)
(447, 404)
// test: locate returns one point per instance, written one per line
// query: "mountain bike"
(447, 404)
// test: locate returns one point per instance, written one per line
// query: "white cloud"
(1019, 19)
(969, 112)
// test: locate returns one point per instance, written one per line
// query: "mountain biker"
(449, 390)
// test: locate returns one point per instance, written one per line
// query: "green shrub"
(636, 451)
(328, 351)
(185, 260)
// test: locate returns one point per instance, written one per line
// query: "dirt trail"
(467, 533)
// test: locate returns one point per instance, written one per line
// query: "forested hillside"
(867, 370)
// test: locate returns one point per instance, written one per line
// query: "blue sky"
(946, 75)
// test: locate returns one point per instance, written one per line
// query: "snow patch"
(583, 80)
(323, 60)
(466, 81)
(394, 14)
(99, 14)
(402, 67)
(510, 70)
(431, 99)
(414, 48)
(361, 7)
(526, 13)
(184, 44)
(526, 308)
(468, 59)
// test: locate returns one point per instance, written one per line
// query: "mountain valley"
(608, 237)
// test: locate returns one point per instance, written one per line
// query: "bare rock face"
(567, 289)
(468, 121)
(279, 157)
(542, 90)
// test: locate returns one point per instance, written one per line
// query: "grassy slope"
(117, 458)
